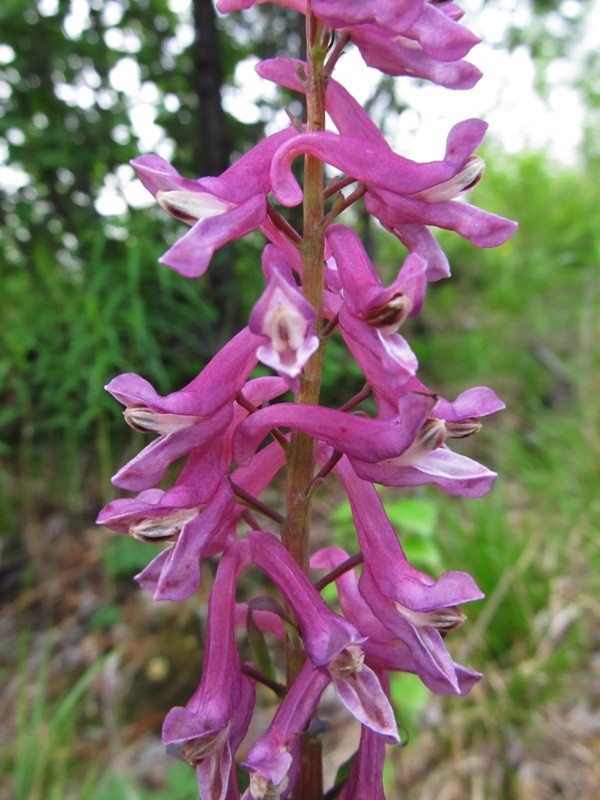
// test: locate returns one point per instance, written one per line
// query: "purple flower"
(219, 209)
(212, 725)
(285, 318)
(371, 314)
(399, 191)
(190, 418)
(405, 211)
(366, 439)
(157, 516)
(383, 650)
(365, 781)
(400, 38)
(331, 642)
(412, 606)
(175, 573)
(271, 759)
(427, 459)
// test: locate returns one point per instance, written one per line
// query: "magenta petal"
(384, 52)
(454, 473)
(362, 286)
(480, 227)
(324, 633)
(367, 439)
(215, 719)
(386, 361)
(382, 650)
(347, 114)
(464, 138)
(365, 781)
(148, 467)
(408, 603)
(476, 402)
(366, 162)
(157, 175)
(191, 255)
(365, 699)
(224, 375)
(418, 239)
(180, 574)
(441, 37)
(270, 755)
(250, 174)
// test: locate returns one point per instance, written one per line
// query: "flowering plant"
(236, 432)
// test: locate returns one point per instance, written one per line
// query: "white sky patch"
(7, 54)
(505, 97)
(240, 100)
(125, 76)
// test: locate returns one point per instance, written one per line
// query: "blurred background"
(89, 664)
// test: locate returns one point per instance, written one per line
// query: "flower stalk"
(234, 432)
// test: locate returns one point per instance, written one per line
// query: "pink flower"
(384, 650)
(285, 318)
(371, 314)
(331, 642)
(428, 460)
(219, 209)
(413, 607)
(409, 37)
(371, 440)
(154, 516)
(272, 760)
(175, 573)
(190, 418)
(212, 725)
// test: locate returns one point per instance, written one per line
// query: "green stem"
(302, 451)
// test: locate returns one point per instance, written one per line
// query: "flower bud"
(390, 315)
(463, 428)
(471, 174)
(163, 529)
(190, 207)
(443, 619)
(146, 420)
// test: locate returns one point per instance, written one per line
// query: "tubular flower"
(399, 191)
(212, 725)
(183, 420)
(371, 314)
(154, 517)
(331, 642)
(272, 759)
(372, 440)
(284, 317)
(383, 650)
(405, 38)
(427, 459)
(412, 606)
(219, 209)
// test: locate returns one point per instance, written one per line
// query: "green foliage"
(413, 518)
(123, 557)
(41, 757)
(180, 784)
